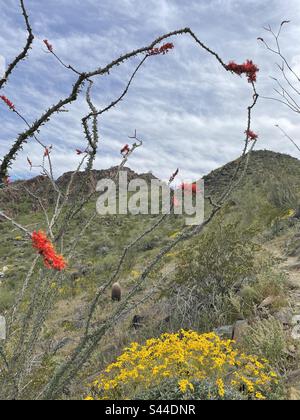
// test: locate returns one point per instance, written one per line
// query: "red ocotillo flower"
(248, 68)
(125, 150)
(48, 45)
(44, 246)
(251, 135)
(8, 102)
(164, 49)
(48, 150)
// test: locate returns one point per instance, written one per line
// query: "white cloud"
(190, 113)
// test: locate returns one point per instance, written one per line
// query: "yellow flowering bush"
(187, 359)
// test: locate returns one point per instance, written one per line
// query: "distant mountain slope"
(21, 195)
(264, 165)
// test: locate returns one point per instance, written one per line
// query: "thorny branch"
(25, 50)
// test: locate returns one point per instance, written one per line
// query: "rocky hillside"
(242, 271)
(22, 195)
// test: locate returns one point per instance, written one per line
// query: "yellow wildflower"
(184, 384)
(221, 387)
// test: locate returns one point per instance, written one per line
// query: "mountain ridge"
(263, 163)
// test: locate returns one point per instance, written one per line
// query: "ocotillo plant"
(36, 298)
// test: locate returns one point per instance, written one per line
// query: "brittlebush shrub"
(186, 365)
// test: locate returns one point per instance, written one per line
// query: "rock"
(292, 282)
(294, 394)
(2, 275)
(267, 302)
(103, 250)
(78, 271)
(296, 332)
(239, 329)
(292, 349)
(166, 320)
(296, 320)
(294, 266)
(2, 328)
(61, 344)
(79, 319)
(138, 322)
(75, 275)
(225, 331)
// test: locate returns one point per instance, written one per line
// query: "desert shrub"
(209, 273)
(223, 252)
(267, 283)
(269, 340)
(6, 299)
(283, 195)
(184, 365)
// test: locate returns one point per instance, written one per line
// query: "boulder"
(239, 330)
(225, 332)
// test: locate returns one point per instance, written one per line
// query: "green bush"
(269, 341)
(210, 272)
(6, 299)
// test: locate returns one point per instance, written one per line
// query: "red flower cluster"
(45, 248)
(164, 49)
(47, 151)
(48, 45)
(8, 102)
(248, 68)
(125, 150)
(251, 135)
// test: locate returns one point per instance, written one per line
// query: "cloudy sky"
(189, 112)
